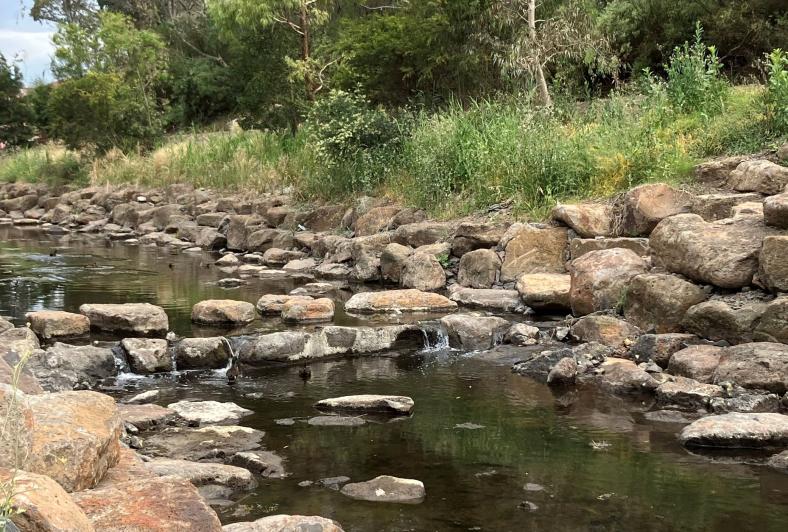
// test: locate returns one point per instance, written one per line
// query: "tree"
(15, 115)
(302, 17)
(82, 12)
(528, 45)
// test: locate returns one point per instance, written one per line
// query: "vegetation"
(477, 101)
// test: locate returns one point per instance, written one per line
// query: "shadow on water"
(496, 451)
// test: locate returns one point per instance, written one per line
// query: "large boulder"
(308, 311)
(283, 523)
(604, 329)
(386, 489)
(422, 271)
(146, 416)
(760, 365)
(423, 233)
(476, 235)
(488, 298)
(399, 301)
(535, 249)
(737, 430)
(167, 504)
(382, 404)
(588, 220)
(223, 311)
(717, 171)
(147, 355)
(580, 246)
(773, 325)
(687, 394)
(473, 332)
(773, 266)
(625, 377)
(712, 207)
(64, 367)
(365, 253)
(202, 353)
(696, 362)
(272, 304)
(239, 227)
(658, 348)
(658, 302)
(49, 324)
(775, 210)
(759, 175)
(375, 220)
(392, 261)
(141, 319)
(723, 253)
(646, 205)
(479, 268)
(599, 279)
(718, 320)
(207, 476)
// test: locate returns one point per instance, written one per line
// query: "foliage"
(15, 114)
(46, 163)
(777, 91)
(38, 98)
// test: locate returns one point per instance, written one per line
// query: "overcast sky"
(22, 37)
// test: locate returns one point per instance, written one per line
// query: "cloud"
(34, 48)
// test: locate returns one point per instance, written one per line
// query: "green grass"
(453, 162)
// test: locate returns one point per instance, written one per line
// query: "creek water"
(496, 451)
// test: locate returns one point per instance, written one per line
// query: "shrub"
(50, 163)
(777, 91)
(15, 114)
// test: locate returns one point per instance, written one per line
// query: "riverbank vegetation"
(445, 104)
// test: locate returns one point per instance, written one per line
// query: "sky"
(26, 39)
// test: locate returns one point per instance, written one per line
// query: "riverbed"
(495, 450)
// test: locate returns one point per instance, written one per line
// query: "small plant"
(777, 91)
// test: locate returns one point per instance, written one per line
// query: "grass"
(451, 163)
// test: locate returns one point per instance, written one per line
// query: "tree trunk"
(305, 52)
(541, 82)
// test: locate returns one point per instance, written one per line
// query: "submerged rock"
(56, 324)
(399, 301)
(336, 421)
(737, 430)
(209, 412)
(142, 319)
(385, 404)
(283, 523)
(386, 489)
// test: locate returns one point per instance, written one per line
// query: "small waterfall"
(435, 337)
(222, 372)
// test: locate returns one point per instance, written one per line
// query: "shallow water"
(530, 466)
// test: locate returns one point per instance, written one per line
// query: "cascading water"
(436, 338)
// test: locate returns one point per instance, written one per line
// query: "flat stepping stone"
(203, 443)
(145, 416)
(311, 523)
(204, 473)
(336, 421)
(410, 300)
(386, 489)
(384, 404)
(737, 430)
(209, 412)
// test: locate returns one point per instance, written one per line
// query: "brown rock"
(479, 268)
(737, 430)
(56, 324)
(147, 355)
(587, 219)
(773, 263)
(604, 329)
(759, 175)
(365, 253)
(646, 205)
(218, 311)
(399, 301)
(392, 261)
(712, 207)
(375, 220)
(625, 377)
(564, 372)
(146, 417)
(490, 298)
(423, 233)
(534, 249)
(202, 353)
(599, 279)
(775, 211)
(143, 319)
(324, 218)
(580, 246)
(545, 290)
(272, 304)
(658, 348)
(760, 365)
(773, 325)
(688, 394)
(717, 171)
(282, 523)
(696, 362)
(422, 272)
(658, 302)
(476, 235)
(717, 320)
(308, 311)
(472, 332)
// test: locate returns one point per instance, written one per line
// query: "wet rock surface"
(386, 489)
(385, 404)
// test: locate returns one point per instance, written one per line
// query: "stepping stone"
(386, 489)
(387, 404)
(737, 430)
(336, 421)
(209, 412)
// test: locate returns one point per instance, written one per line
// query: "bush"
(15, 114)
(50, 163)
(777, 91)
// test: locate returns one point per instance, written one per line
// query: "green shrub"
(777, 91)
(50, 164)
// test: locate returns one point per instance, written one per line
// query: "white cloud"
(34, 48)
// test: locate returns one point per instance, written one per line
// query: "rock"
(775, 210)
(688, 394)
(209, 412)
(147, 355)
(336, 421)
(696, 362)
(56, 324)
(580, 246)
(759, 175)
(392, 261)
(204, 443)
(263, 463)
(308, 311)
(330, 270)
(472, 332)
(658, 348)
(228, 260)
(779, 461)
(143, 397)
(737, 430)
(538, 364)
(439, 250)
(773, 325)
(624, 376)
(564, 372)
(475, 235)
(722, 253)
(399, 301)
(712, 207)
(307, 265)
(72, 437)
(204, 474)
(284, 523)
(718, 170)
(65, 367)
(522, 334)
(752, 210)
(644, 206)
(588, 220)
(239, 229)
(604, 329)
(422, 272)
(745, 402)
(488, 298)
(717, 320)
(773, 266)
(142, 319)
(5, 325)
(280, 257)
(384, 404)
(376, 220)
(479, 268)
(386, 489)
(760, 365)
(535, 250)
(271, 304)
(324, 218)
(202, 353)
(545, 291)
(423, 233)
(658, 302)
(365, 253)
(599, 279)
(40, 504)
(223, 311)
(146, 417)
(278, 346)
(164, 504)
